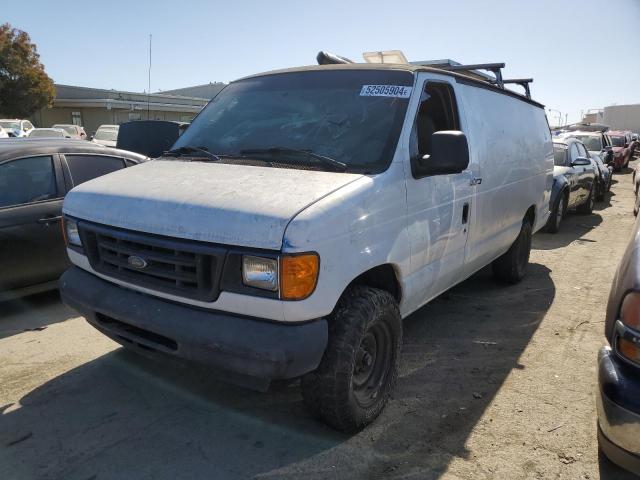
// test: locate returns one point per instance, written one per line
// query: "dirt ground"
(496, 383)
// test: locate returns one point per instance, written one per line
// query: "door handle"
(465, 213)
(475, 181)
(49, 219)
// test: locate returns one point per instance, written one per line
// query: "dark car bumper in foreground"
(244, 350)
(618, 411)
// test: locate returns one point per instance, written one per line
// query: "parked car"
(75, 131)
(621, 149)
(149, 137)
(596, 144)
(106, 135)
(35, 175)
(618, 399)
(574, 181)
(16, 127)
(302, 215)
(604, 177)
(48, 133)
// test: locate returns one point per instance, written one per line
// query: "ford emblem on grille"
(137, 262)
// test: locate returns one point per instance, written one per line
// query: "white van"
(302, 215)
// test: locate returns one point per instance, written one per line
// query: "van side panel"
(510, 141)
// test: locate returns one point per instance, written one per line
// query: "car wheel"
(359, 368)
(600, 189)
(587, 207)
(512, 266)
(557, 214)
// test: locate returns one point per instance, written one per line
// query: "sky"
(582, 54)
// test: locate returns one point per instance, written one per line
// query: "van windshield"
(351, 116)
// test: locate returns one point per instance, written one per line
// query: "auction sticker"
(397, 91)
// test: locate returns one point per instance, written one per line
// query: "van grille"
(179, 267)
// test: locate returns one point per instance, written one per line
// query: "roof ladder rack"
(523, 82)
(495, 68)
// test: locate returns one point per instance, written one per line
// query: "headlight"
(260, 272)
(293, 276)
(70, 230)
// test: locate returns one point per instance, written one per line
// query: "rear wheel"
(587, 207)
(602, 188)
(359, 368)
(512, 266)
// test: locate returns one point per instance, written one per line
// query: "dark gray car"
(574, 181)
(35, 175)
(619, 365)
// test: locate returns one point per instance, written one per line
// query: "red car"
(622, 146)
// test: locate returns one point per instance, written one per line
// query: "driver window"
(27, 180)
(573, 153)
(437, 111)
(582, 151)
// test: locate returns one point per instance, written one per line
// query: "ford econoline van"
(302, 215)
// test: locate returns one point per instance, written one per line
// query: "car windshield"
(592, 142)
(559, 155)
(353, 117)
(10, 125)
(617, 141)
(44, 133)
(110, 134)
(70, 129)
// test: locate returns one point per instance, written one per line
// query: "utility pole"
(149, 82)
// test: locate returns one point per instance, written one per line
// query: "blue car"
(619, 365)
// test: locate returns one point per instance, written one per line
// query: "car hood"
(214, 202)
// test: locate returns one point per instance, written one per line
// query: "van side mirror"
(581, 162)
(449, 154)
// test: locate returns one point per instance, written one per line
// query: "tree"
(24, 86)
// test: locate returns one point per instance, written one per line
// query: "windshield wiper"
(336, 164)
(186, 150)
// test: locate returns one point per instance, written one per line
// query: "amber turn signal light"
(298, 275)
(630, 310)
(629, 350)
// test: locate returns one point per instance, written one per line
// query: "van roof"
(461, 78)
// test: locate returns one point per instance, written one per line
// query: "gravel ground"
(496, 382)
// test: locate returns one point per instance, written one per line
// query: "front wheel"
(557, 213)
(358, 371)
(512, 266)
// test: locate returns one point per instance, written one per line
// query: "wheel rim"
(372, 365)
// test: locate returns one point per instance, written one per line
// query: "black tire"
(601, 189)
(359, 369)
(557, 214)
(587, 207)
(512, 266)
(636, 205)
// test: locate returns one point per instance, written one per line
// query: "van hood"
(214, 202)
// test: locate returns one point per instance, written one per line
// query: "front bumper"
(618, 406)
(245, 350)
